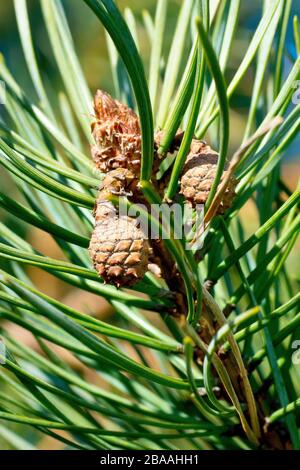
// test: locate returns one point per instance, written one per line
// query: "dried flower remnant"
(117, 135)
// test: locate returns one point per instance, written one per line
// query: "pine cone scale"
(123, 259)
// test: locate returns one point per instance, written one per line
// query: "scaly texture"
(199, 173)
(118, 247)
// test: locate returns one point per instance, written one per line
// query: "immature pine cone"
(198, 175)
(117, 135)
(118, 248)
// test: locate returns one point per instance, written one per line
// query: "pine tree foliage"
(219, 374)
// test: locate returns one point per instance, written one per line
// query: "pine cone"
(199, 173)
(117, 135)
(120, 182)
(175, 144)
(118, 248)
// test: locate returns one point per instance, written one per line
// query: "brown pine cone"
(198, 175)
(117, 135)
(175, 144)
(118, 248)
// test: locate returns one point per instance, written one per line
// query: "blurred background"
(91, 48)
